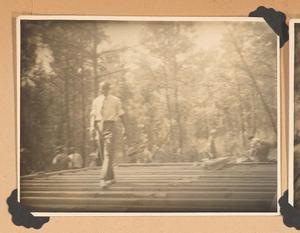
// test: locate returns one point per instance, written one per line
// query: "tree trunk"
(249, 72)
(83, 140)
(241, 116)
(95, 61)
(67, 112)
(178, 113)
(169, 109)
(254, 113)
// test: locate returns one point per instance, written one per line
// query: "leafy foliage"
(173, 90)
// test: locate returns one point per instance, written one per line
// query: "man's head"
(105, 88)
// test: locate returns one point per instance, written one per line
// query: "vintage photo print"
(132, 116)
(294, 120)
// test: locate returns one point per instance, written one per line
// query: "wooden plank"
(205, 202)
(140, 209)
(163, 184)
(144, 194)
(158, 182)
(163, 172)
(169, 176)
(152, 188)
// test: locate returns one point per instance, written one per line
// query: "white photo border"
(291, 109)
(151, 18)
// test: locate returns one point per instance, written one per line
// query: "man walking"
(211, 147)
(106, 111)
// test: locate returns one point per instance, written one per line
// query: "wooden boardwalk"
(177, 187)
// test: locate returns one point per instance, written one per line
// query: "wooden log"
(215, 164)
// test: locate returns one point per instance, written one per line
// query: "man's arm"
(92, 124)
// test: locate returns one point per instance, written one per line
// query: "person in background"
(259, 149)
(133, 152)
(65, 150)
(25, 163)
(146, 155)
(106, 110)
(211, 147)
(93, 158)
(61, 160)
(76, 160)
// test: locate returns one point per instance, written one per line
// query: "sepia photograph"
(149, 116)
(294, 119)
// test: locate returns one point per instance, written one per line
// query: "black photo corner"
(276, 20)
(291, 217)
(21, 216)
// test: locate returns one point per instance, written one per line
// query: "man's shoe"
(103, 184)
(109, 182)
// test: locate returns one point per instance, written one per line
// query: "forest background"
(176, 81)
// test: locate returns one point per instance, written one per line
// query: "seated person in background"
(259, 149)
(93, 158)
(25, 168)
(61, 160)
(211, 147)
(145, 155)
(133, 152)
(76, 160)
